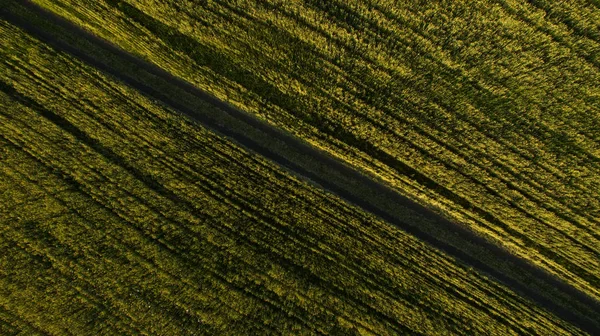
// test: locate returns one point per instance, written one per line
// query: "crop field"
(130, 203)
(176, 230)
(485, 111)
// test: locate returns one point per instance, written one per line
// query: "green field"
(175, 230)
(481, 110)
(119, 214)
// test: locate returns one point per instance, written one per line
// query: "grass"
(479, 110)
(123, 217)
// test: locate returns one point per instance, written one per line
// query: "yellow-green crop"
(481, 110)
(120, 216)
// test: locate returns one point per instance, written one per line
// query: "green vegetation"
(122, 217)
(481, 110)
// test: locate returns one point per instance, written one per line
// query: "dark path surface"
(320, 168)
